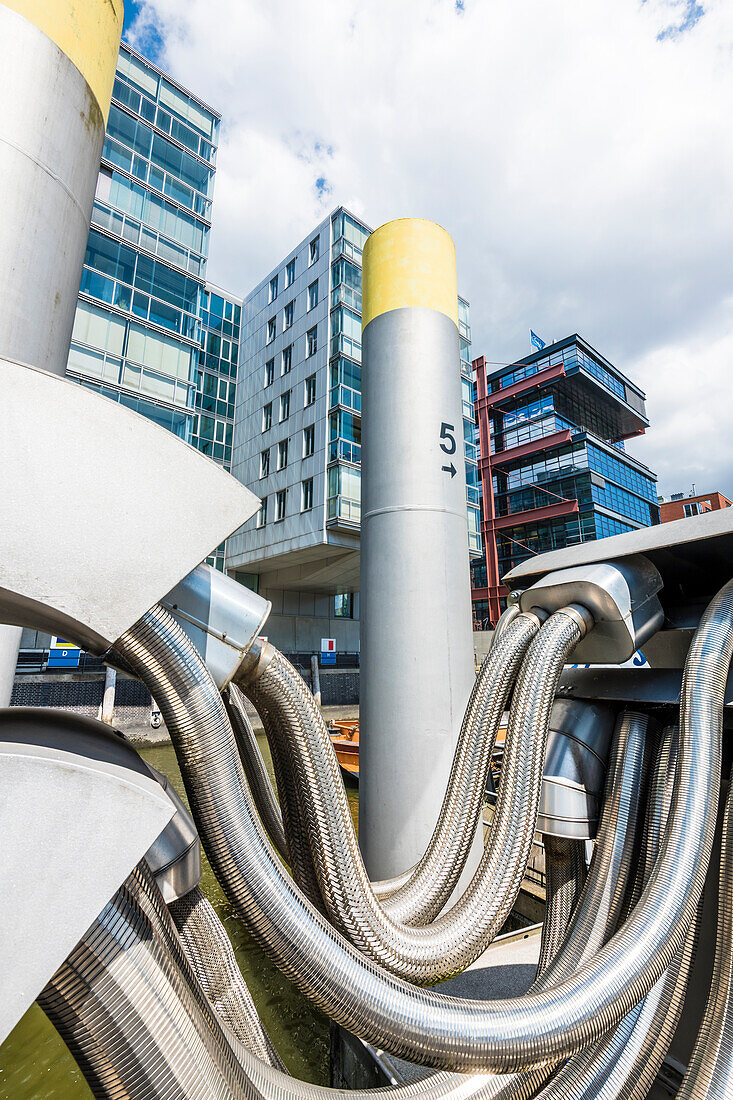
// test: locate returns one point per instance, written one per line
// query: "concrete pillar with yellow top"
(58, 61)
(416, 634)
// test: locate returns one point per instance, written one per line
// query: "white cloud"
(583, 166)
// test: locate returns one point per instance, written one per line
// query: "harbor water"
(35, 1064)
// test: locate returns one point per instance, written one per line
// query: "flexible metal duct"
(422, 1025)
(597, 913)
(565, 873)
(210, 953)
(459, 936)
(255, 770)
(417, 895)
(626, 1061)
(129, 1008)
(710, 1072)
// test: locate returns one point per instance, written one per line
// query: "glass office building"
(554, 467)
(149, 331)
(144, 321)
(297, 437)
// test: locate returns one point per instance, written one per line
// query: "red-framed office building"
(553, 466)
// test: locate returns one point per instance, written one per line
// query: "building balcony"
(343, 512)
(535, 515)
(533, 446)
(346, 398)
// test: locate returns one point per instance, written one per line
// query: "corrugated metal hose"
(610, 988)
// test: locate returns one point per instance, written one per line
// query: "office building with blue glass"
(149, 331)
(554, 466)
(297, 437)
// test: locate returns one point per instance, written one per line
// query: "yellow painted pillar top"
(87, 31)
(409, 262)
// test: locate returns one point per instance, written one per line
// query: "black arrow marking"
(450, 470)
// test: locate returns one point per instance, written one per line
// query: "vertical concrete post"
(108, 699)
(416, 632)
(58, 60)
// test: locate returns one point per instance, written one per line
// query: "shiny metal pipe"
(710, 1072)
(422, 1025)
(266, 801)
(597, 913)
(565, 873)
(132, 1013)
(210, 953)
(626, 1061)
(456, 938)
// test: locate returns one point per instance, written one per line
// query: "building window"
(288, 316)
(314, 250)
(311, 341)
(271, 329)
(313, 295)
(290, 273)
(287, 359)
(265, 463)
(309, 440)
(273, 288)
(343, 606)
(282, 454)
(280, 505)
(269, 372)
(262, 514)
(310, 389)
(284, 406)
(267, 417)
(306, 502)
(696, 508)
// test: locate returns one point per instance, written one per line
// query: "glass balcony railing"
(346, 295)
(342, 247)
(342, 449)
(344, 510)
(347, 397)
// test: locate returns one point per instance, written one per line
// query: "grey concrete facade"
(303, 560)
(311, 555)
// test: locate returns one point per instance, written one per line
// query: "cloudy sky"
(580, 152)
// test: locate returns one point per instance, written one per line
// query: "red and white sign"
(328, 645)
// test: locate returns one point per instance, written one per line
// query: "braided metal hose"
(255, 770)
(710, 1072)
(456, 938)
(210, 953)
(422, 1025)
(132, 1013)
(294, 817)
(598, 909)
(565, 873)
(418, 894)
(428, 885)
(625, 1062)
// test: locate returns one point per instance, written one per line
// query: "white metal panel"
(103, 511)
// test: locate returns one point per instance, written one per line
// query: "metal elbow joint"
(622, 596)
(221, 618)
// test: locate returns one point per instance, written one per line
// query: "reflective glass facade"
(556, 460)
(148, 331)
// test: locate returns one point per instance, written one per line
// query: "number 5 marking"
(449, 446)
